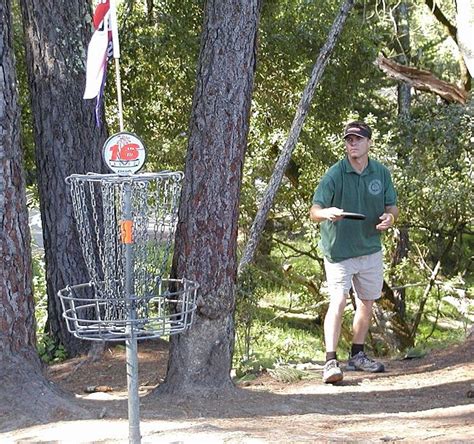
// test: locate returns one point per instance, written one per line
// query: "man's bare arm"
(388, 218)
(318, 214)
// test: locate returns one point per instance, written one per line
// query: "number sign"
(124, 153)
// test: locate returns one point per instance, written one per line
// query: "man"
(352, 248)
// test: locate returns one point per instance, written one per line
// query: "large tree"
(67, 139)
(207, 230)
(21, 379)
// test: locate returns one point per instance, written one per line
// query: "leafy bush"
(48, 349)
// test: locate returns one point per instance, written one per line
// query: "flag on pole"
(114, 29)
(99, 51)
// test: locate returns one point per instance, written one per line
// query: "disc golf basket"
(126, 226)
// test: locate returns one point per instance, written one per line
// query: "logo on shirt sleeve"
(375, 187)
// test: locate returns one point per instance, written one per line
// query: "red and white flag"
(98, 50)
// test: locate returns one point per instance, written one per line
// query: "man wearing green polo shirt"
(352, 248)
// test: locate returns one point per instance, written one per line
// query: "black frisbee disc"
(356, 216)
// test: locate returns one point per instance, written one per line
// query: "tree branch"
(311, 285)
(426, 293)
(296, 250)
(422, 80)
(451, 29)
(298, 121)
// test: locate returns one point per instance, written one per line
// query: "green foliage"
(255, 364)
(277, 340)
(439, 338)
(275, 328)
(266, 337)
(434, 179)
(416, 352)
(430, 155)
(291, 36)
(433, 50)
(288, 374)
(24, 97)
(159, 54)
(39, 291)
(48, 349)
(248, 297)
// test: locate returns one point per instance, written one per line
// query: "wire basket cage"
(126, 226)
(168, 310)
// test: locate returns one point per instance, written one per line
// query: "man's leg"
(362, 318)
(358, 359)
(333, 321)
(367, 284)
(338, 277)
(332, 330)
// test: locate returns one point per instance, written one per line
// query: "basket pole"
(119, 316)
(116, 54)
(131, 346)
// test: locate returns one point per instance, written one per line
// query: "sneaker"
(363, 363)
(332, 372)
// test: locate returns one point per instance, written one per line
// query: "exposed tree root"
(23, 388)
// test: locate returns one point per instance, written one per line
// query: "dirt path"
(416, 400)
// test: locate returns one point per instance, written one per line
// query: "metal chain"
(79, 205)
(96, 224)
(112, 260)
(98, 209)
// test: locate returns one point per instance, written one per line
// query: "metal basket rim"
(124, 178)
(193, 286)
(116, 329)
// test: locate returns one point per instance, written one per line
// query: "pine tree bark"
(22, 384)
(206, 241)
(16, 320)
(66, 137)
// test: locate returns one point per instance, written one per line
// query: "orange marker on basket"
(126, 230)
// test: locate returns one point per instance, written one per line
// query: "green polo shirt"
(367, 193)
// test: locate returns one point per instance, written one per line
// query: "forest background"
(426, 140)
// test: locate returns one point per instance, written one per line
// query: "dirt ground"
(427, 399)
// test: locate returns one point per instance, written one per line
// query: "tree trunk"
(404, 114)
(66, 137)
(403, 49)
(394, 329)
(206, 240)
(402, 249)
(290, 144)
(390, 312)
(465, 25)
(21, 381)
(461, 34)
(16, 255)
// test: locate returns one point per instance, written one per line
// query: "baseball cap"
(357, 129)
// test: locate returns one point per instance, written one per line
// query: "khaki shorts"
(364, 274)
